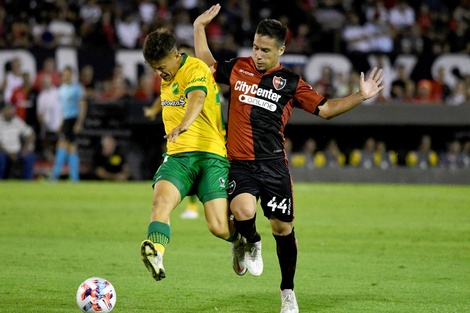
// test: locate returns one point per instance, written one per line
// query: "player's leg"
(244, 208)
(28, 165)
(74, 162)
(3, 164)
(170, 185)
(286, 248)
(277, 203)
(62, 150)
(212, 190)
(60, 158)
(166, 197)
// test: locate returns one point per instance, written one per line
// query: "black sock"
(287, 255)
(248, 230)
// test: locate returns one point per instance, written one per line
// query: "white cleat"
(289, 302)
(152, 259)
(238, 256)
(253, 259)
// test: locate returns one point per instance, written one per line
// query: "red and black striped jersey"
(260, 106)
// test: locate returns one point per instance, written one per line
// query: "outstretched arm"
(201, 47)
(367, 89)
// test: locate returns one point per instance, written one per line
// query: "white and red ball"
(96, 294)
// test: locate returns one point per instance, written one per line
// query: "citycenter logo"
(253, 95)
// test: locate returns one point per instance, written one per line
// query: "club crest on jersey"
(174, 88)
(231, 187)
(279, 82)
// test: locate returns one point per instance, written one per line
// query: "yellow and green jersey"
(207, 132)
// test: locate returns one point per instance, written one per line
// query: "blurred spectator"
(87, 79)
(302, 42)
(48, 69)
(144, 90)
(424, 93)
(305, 158)
(16, 143)
(49, 115)
(457, 95)
(13, 79)
(364, 157)
(128, 30)
(440, 89)
(109, 162)
(3, 27)
(424, 156)
(383, 157)
(106, 30)
(465, 153)
(325, 82)
(183, 28)
(90, 12)
(114, 90)
(379, 33)
(147, 10)
(354, 35)
(452, 158)
(402, 16)
(331, 157)
(20, 35)
(62, 29)
(24, 99)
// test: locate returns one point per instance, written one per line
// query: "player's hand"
(373, 84)
(207, 16)
(173, 135)
(149, 113)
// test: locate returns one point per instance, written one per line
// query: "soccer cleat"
(152, 259)
(238, 256)
(253, 259)
(289, 302)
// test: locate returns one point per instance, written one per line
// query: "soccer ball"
(96, 294)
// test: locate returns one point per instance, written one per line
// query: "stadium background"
(439, 38)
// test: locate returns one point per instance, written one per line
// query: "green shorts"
(199, 173)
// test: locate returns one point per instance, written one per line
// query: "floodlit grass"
(362, 248)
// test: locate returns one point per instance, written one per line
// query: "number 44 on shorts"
(284, 205)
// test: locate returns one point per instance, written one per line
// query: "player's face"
(167, 67)
(266, 53)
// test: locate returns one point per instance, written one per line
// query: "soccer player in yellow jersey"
(195, 161)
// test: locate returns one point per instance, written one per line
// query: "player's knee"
(219, 229)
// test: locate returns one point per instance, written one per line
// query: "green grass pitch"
(362, 248)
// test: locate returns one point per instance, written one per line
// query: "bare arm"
(81, 116)
(201, 47)
(194, 107)
(152, 111)
(367, 89)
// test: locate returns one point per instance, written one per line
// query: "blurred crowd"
(425, 28)
(375, 154)
(356, 28)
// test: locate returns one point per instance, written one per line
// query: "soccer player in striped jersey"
(262, 96)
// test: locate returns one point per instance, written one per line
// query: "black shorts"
(67, 132)
(269, 181)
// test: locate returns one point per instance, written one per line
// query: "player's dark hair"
(274, 29)
(158, 44)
